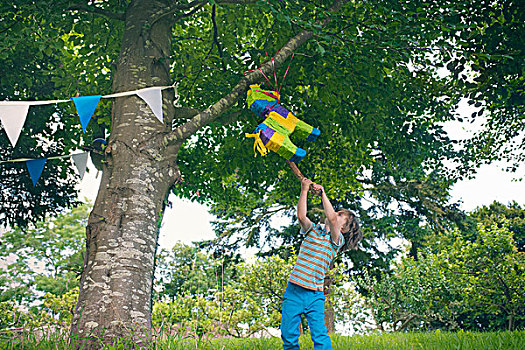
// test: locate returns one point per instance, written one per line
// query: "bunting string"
(26, 159)
(31, 103)
(13, 113)
(35, 166)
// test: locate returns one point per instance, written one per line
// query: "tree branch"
(216, 37)
(186, 112)
(229, 118)
(91, 9)
(406, 320)
(235, 2)
(229, 100)
(166, 11)
(208, 115)
(194, 5)
(187, 14)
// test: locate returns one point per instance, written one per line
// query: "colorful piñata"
(279, 123)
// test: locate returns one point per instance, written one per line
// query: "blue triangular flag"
(86, 106)
(35, 167)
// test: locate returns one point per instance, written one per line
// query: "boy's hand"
(305, 184)
(317, 189)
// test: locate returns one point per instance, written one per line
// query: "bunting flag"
(86, 106)
(80, 161)
(153, 98)
(13, 118)
(35, 167)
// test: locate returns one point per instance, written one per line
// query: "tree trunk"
(511, 322)
(122, 231)
(329, 316)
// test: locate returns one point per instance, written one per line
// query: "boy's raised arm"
(305, 223)
(331, 215)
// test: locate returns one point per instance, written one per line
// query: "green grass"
(402, 341)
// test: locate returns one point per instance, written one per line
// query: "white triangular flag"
(80, 161)
(13, 118)
(153, 98)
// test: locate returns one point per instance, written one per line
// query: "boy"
(304, 292)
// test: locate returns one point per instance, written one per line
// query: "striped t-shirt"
(315, 255)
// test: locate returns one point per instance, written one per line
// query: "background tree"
(362, 73)
(187, 271)
(469, 279)
(42, 265)
(511, 216)
(490, 272)
(416, 294)
(61, 307)
(44, 257)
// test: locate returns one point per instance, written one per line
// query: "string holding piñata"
(279, 123)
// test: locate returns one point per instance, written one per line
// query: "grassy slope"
(399, 341)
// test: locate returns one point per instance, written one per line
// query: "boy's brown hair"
(351, 230)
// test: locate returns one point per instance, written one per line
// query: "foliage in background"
(186, 270)
(251, 303)
(53, 310)
(463, 280)
(42, 264)
(11, 316)
(468, 280)
(352, 314)
(44, 257)
(490, 276)
(248, 304)
(61, 307)
(511, 216)
(416, 295)
(40, 59)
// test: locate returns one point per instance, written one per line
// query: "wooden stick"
(300, 176)
(295, 170)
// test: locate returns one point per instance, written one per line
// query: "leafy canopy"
(368, 79)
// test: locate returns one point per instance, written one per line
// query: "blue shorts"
(296, 301)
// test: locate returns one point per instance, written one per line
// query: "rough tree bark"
(114, 298)
(121, 236)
